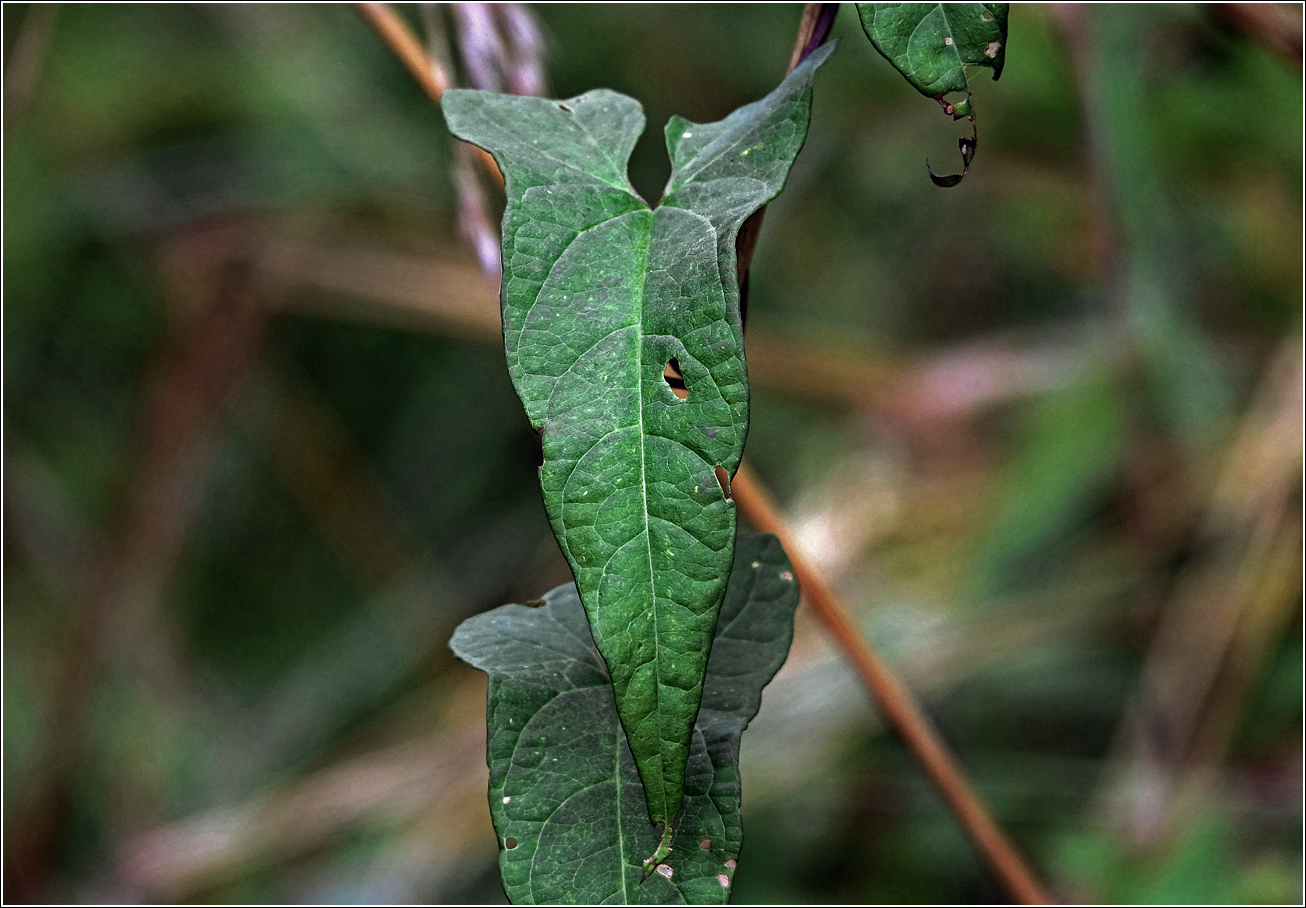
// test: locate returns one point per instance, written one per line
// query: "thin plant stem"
(396, 33)
(429, 74)
(895, 701)
(813, 30)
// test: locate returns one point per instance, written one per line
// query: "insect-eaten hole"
(536, 446)
(675, 378)
(510, 843)
(723, 480)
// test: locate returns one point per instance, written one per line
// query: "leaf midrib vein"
(643, 490)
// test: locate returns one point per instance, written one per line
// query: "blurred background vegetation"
(261, 453)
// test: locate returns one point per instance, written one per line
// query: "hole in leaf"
(510, 843)
(537, 446)
(953, 103)
(535, 603)
(986, 16)
(723, 480)
(675, 378)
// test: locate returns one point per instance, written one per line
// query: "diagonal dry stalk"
(428, 73)
(899, 707)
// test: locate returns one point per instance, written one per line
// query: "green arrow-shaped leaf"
(565, 795)
(599, 295)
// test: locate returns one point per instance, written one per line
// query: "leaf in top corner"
(931, 44)
(599, 294)
(565, 795)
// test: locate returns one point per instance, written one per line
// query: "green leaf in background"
(565, 795)
(931, 44)
(600, 294)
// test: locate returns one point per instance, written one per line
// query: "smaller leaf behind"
(565, 796)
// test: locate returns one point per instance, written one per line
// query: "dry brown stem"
(429, 74)
(899, 707)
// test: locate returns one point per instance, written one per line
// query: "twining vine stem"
(899, 707)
